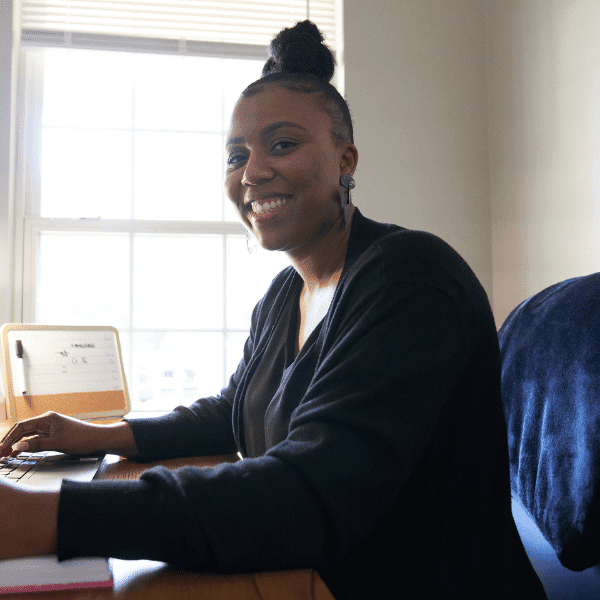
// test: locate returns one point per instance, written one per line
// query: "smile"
(262, 207)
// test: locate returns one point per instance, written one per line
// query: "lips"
(261, 207)
(267, 204)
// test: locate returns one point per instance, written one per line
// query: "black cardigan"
(386, 467)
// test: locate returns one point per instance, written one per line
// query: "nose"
(257, 170)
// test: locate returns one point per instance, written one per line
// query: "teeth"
(260, 208)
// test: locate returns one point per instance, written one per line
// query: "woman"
(366, 406)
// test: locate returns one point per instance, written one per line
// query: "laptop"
(47, 469)
(74, 370)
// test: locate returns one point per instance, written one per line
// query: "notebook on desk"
(46, 573)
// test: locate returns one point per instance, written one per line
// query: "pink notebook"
(45, 573)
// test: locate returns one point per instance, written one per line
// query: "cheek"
(302, 172)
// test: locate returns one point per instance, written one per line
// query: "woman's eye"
(234, 159)
(283, 145)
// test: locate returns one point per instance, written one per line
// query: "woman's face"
(283, 168)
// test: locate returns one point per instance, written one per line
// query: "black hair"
(302, 63)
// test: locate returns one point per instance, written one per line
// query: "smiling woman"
(366, 404)
(292, 159)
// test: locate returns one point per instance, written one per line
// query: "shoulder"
(405, 251)
(395, 257)
(403, 255)
(421, 257)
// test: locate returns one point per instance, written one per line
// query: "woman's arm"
(53, 431)
(33, 535)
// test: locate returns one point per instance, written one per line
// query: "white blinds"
(247, 22)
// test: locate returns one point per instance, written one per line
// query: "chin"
(273, 240)
(270, 245)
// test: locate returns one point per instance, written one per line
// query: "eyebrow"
(266, 131)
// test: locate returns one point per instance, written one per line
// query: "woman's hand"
(50, 431)
(53, 431)
(29, 524)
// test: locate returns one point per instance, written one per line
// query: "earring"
(251, 243)
(348, 183)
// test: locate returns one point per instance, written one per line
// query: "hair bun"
(300, 49)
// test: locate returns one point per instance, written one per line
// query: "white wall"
(544, 94)
(416, 84)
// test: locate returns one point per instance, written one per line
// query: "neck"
(322, 266)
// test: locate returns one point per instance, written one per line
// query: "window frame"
(28, 152)
(28, 222)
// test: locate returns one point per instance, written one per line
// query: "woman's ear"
(349, 159)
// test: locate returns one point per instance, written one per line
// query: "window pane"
(83, 279)
(237, 75)
(178, 282)
(178, 93)
(175, 368)
(178, 176)
(248, 277)
(87, 88)
(86, 173)
(113, 118)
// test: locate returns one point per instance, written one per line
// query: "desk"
(150, 580)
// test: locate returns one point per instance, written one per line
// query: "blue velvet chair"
(550, 348)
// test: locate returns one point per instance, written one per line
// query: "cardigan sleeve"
(391, 367)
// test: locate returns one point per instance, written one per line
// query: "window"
(122, 218)
(129, 225)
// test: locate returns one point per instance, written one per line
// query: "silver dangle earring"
(251, 243)
(348, 183)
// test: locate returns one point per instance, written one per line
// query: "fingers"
(4, 442)
(39, 427)
(33, 444)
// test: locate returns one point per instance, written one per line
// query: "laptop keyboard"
(17, 467)
(48, 469)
